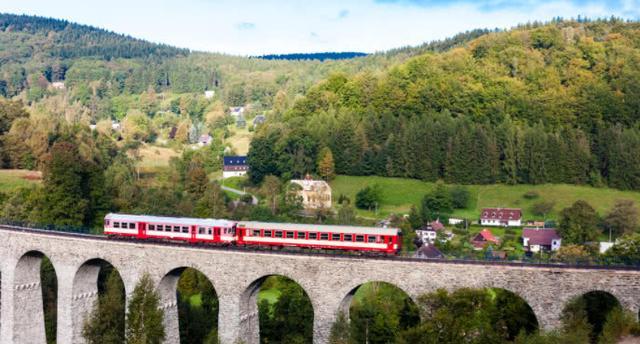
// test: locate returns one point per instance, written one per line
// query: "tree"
(578, 223)
(542, 208)
(623, 217)
(196, 180)
(326, 166)
(436, 203)
(368, 198)
(106, 321)
(626, 248)
(213, 203)
(460, 197)
(340, 330)
(572, 253)
(271, 188)
(346, 214)
(144, 317)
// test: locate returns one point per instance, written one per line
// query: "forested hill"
(25, 36)
(537, 104)
(314, 56)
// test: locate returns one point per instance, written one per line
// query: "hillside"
(552, 103)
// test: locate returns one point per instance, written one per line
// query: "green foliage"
(105, 323)
(144, 317)
(542, 208)
(368, 198)
(626, 248)
(49, 284)
(290, 319)
(623, 218)
(198, 321)
(460, 197)
(578, 223)
(437, 203)
(594, 308)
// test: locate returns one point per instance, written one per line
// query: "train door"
(193, 232)
(216, 234)
(142, 230)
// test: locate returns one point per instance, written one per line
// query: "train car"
(352, 238)
(170, 228)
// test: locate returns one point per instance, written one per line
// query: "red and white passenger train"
(254, 234)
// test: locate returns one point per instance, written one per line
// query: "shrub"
(531, 195)
(368, 198)
(460, 197)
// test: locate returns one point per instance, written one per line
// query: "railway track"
(322, 254)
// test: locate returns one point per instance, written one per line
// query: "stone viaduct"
(330, 282)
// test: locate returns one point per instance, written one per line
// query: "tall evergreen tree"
(105, 324)
(144, 317)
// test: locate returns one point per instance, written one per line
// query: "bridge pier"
(167, 289)
(229, 328)
(249, 321)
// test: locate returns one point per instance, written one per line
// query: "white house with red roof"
(429, 232)
(506, 217)
(541, 239)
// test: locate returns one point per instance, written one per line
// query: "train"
(221, 232)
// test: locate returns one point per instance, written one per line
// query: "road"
(254, 199)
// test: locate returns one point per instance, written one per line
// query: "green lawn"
(14, 179)
(398, 194)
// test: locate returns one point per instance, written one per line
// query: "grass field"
(154, 158)
(14, 179)
(398, 195)
(239, 140)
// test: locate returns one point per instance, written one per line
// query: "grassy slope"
(13, 179)
(399, 194)
(240, 140)
(154, 158)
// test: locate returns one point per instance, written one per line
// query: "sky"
(257, 27)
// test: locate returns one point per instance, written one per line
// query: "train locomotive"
(254, 234)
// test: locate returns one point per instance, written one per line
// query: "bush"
(368, 198)
(531, 195)
(542, 208)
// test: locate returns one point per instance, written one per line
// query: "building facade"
(234, 166)
(505, 217)
(315, 194)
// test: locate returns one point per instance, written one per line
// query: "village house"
(315, 194)
(236, 111)
(483, 239)
(58, 85)
(234, 166)
(205, 140)
(506, 217)
(429, 232)
(428, 251)
(541, 239)
(241, 122)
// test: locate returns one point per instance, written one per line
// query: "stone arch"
(345, 303)
(167, 290)
(85, 292)
(527, 307)
(249, 313)
(597, 304)
(29, 300)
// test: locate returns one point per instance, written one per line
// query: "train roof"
(170, 220)
(318, 228)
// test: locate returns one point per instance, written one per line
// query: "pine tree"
(144, 317)
(326, 165)
(105, 324)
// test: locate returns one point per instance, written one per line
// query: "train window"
(201, 230)
(289, 235)
(256, 232)
(372, 238)
(185, 229)
(132, 226)
(116, 225)
(159, 228)
(348, 237)
(267, 234)
(324, 236)
(313, 236)
(359, 238)
(209, 231)
(176, 229)
(301, 235)
(106, 222)
(152, 227)
(278, 234)
(335, 237)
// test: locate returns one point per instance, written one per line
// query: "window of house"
(359, 238)
(278, 234)
(335, 237)
(348, 237)
(289, 235)
(116, 225)
(324, 236)
(132, 226)
(313, 236)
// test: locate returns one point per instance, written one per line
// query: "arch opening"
(191, 304)
(375, 312)
(36, 294)
(513, 314)
(276, 309)
(593, 307)
(98, 303)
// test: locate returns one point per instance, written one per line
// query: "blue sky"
(253, 27)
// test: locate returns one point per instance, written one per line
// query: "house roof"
(485, 235)
(502, 214)
(428, 251)
(235, 161)
(540, 236)
(436, 225)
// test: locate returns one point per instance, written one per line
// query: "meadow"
(399, 194)
(13, 179)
